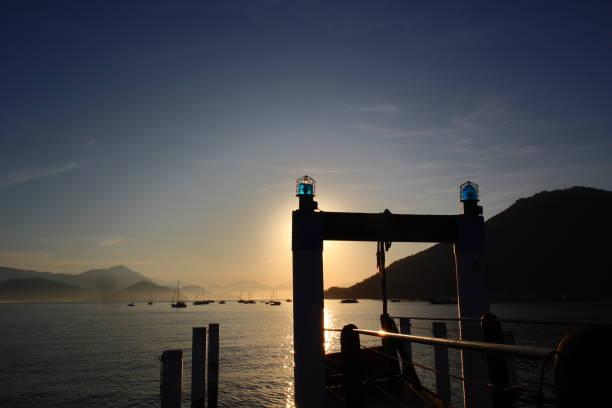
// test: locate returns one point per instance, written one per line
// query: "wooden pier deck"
(375, 381)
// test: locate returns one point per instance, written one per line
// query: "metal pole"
(441, 363)
(198, 364)
(380, 258)
(527, 352)
(213, 364)
(473, 301)
(309, 369)
(171, 378)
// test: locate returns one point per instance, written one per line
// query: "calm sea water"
(107, 354)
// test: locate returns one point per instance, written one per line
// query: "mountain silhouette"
(40, 289)
(94, 284)
(142, 291)
(551, 245)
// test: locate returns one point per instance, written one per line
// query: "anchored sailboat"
(178, 302)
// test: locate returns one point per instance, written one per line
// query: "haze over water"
(107, 354)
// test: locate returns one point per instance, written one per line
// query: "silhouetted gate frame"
(310, 228)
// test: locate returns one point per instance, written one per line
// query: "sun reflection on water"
(330, 337)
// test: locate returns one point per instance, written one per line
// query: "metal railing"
(506, 350)
(585, 343)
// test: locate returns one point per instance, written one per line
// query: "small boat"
(178, 303)
(395, 300)
(350, 300)
(438, 301)
(274, 301)
(150, 302)
(288, 300)
(201, 302)
(247, 302)
(131, 304)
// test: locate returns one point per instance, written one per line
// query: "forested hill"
(552, 245)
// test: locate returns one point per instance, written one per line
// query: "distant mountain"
(102, 280)
(116, 283)
(143, 291)
(548, 246)
(40, 289)
(111, 279)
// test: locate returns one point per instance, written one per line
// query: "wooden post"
(498, 368)
(473, 302)
(511, 362)
(171, 378)
(441, 363)
(213, 364)
(309, 369)
(405, 329)
(198, 367)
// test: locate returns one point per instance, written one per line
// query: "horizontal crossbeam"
(342, 226)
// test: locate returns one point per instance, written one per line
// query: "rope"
(337, 394)
(391, 397)
(459, 378)
(537, 395)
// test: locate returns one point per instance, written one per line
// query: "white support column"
(473, 302)
(308, 337)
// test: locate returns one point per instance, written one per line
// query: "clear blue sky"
(167, 137)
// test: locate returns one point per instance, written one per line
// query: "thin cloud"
(111, 242)
(373, 108)
(278, 168)
(23, 176)
(44, 261)
(383, 132)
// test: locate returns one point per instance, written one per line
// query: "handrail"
(528, 352)
(522, 321)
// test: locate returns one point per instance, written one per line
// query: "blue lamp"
(468, 195)
(305, 191)
(468, 192)
(305, 186)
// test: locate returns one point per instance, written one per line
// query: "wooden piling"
(213, 364)
(171, 378)
(405, 329)
(441, 363)
(198, 368)
(351, 352)
(511, 362)
(498, 367)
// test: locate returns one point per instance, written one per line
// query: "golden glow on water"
(328, 321)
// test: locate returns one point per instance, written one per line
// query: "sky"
(167, 136)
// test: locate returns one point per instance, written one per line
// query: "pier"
(385, 376)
